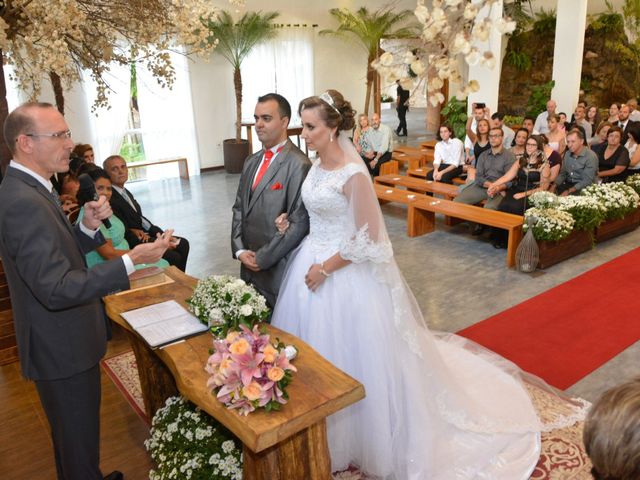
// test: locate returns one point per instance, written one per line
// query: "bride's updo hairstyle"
(333, 108)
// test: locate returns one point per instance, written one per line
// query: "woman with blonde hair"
(360, 135)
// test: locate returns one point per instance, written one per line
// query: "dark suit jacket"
(131, 217)
(254, 213)
(630, 124)
(58, 315)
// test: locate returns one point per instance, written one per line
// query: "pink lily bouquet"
(248, 372)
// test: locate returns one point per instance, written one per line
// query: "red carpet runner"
(567, 332)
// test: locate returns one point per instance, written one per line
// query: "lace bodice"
(327, 205)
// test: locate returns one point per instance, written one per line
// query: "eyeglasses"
(65, 134)
(532, 144)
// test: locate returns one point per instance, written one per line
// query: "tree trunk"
(370, 72)
(433, 113)
(237, 82)
(57, 91)
(5, 154)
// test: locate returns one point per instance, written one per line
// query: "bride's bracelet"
(323, 271)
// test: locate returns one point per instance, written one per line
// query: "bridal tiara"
(326, 98)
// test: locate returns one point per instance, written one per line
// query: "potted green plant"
(235, 40)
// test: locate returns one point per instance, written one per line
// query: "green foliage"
(384, 98)
(519, 12)
(132, 152)
(608, 22)
(519, 59)
(540, 95)
(189, 444)
(631, 12)
(545, 21)
(455, 114)
(511, 120)
(237, 39)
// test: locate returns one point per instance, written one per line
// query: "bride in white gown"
(437, 406)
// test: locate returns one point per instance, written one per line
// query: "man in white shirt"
(541, 120)
(380, 137)
(60, 323)
(580, 119)
(448, 157)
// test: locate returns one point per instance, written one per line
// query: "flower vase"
(218, 327)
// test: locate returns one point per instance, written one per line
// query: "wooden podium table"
(287, 445)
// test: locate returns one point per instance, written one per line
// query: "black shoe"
(477, 230)
(115, 475)
(499, 244)
(402, 135)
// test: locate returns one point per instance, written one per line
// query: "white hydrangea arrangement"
(617, 199)
(225, 303)
(543, 199)
(188, 444)
(550, 224)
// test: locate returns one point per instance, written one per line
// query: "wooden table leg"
(515, 236)
(156, 379)
(419, 221)
(304, 456)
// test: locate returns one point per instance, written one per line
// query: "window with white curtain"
(282, 65)
(166, 117)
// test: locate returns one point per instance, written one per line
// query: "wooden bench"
(422, 173)
(429, 145)
(418, 185)
(389, 168)
(421, 211)
(183, 167)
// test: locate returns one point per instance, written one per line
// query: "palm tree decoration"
(369, 28)
(234, 42)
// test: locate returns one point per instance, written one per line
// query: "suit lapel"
(251, 173)
(269, 174)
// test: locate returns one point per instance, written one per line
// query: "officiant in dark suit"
(269, 186)
(59, 319)
(138, 228)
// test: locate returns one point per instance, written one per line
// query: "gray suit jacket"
(58, 315)
(254, 214)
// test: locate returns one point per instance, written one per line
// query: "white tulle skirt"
(451, 410)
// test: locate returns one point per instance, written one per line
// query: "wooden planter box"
(578, 241)
(612, 228)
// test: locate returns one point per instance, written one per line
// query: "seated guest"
(480, 112)
(528, 124)
(554, 159)
(519, 141)
(634, 114)
(634, 151)
(580, 120)
(68, 192)
(612, 433)
(115, 245)
(85, 152)
(579, 166)
(491, 165)
(625, 123)
(360, 136)
(541, 120)
(593, 117)
(379, 135)
(138, 228)
(480, 140)
(601, 134)
(448, 157)
(613, 157)
(528, 175)
(556, 134)
(614, 110)
(508, 133)
(563, 118)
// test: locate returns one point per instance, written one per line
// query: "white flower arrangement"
(634, 182)
(188, 444)
(450, 29)
(617, 199)
(543, 199)
(225, 303)
(549, 224)
(587, 211)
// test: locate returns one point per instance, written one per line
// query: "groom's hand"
(248, 259)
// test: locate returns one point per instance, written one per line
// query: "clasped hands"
(494, 189)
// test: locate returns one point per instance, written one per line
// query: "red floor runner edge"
(570, 330)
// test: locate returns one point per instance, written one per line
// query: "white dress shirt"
(450, 152)
(541, 122)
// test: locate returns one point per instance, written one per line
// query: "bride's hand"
(282, 223)
(314, 277)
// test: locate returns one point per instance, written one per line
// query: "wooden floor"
(26, 452)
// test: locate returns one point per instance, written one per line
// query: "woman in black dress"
(526, 176)
(613, 157)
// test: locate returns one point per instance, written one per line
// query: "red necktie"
(268, 155)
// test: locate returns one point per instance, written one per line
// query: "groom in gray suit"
(59, 319)
(269, 186)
